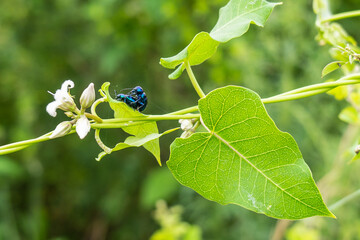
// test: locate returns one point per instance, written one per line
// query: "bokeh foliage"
(56, 190)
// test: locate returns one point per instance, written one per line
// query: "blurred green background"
(56, 189)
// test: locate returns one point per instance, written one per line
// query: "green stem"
(100, 143)
(345, 200)
(12, 147)
(322, 86)
(94, 117)
(152, 118)
(115, 125)
(342, 16)
(95, 104)
(42, 138)
(284, 98)
(311, 90)
(186, 110)
(193, 80)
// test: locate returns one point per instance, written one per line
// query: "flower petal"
(51, 108)
(82, 126)
(63, 100)
(67, 85)
(66, 102)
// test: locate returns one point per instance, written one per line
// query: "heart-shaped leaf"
(245, 159)
(235, 18)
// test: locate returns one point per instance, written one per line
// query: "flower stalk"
(193, 80)
(343, 15)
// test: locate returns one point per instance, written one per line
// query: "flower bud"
(61, 129)
(82, 126)
(186, 124)
(69, 114)
(88, 96)
(357, 149)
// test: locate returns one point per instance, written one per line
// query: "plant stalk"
(193, 80)
(151, 118)
(343, 15)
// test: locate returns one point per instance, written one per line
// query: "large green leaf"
(245, 159)
(121, 110)
(236, 16)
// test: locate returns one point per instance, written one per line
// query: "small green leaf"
(245, 159)
(339, 54)
(331, 67)
(138, 141)
(177, 73)
(201, 48)
(235, 18)
(355, 158)
(121, 110)
(349, 115)
(135, 142)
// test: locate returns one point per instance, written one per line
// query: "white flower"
(61, 129)
(186, 124)
(88, 96)
(63, 99)
(82, 126)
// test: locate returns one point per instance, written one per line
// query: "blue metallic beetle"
(135, 99)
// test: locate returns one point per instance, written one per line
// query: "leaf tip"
(177, 73)
(162, 61)
(100, 156)
(332, 215)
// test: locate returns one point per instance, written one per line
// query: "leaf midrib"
(257, 169)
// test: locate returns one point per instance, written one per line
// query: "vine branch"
(343, 15)
(193, 80)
